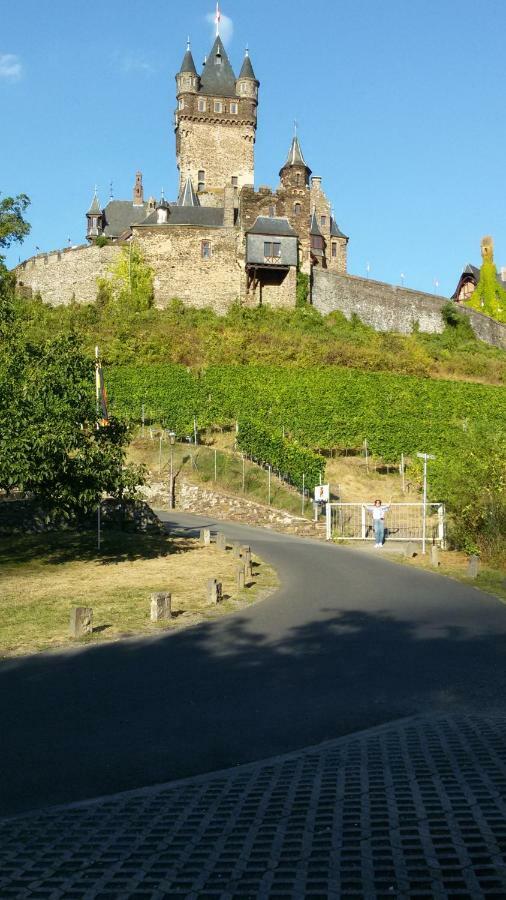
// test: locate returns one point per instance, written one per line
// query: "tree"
(50, 445)
(489, 297)
(130, 286)
(13, 227)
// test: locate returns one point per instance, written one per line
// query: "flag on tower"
(217, 18)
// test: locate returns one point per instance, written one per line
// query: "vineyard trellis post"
(425, 457)
(270, 469)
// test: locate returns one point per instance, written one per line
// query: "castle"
(222, 240)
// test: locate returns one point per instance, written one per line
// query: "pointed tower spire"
(188, 196)
(218, 79)
(94, 209)
(188, 64)
(247, 69)
(295, 170)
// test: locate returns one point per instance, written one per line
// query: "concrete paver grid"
(415, 808)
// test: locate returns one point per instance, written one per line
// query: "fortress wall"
(180, 270)
(387, 307)
(66, 274)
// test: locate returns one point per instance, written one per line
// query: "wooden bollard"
(248, 571)
(161, 606)
(81, 621)
(473, 566)
(236, 549)
(241, 575)
(221, 541)
(205, 536)
(214, 591)
(434, 555)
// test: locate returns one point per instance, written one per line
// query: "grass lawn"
(43, 576)
(454, 565)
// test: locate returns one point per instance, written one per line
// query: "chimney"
(503, 273)
(229, 206)
(138, 197)
(316, 182)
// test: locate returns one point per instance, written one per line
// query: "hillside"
(301, 337)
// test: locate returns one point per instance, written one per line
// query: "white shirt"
(378, 512)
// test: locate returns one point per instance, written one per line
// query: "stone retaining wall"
(387, 307)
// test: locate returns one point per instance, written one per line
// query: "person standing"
(378, 510)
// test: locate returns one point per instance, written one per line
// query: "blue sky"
(400, 105)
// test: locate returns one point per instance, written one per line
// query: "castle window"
(323, 221)
(272, 250)
(218, 106)
(334, 249)
(297, 178)
(234, 108)
(297, 209)
(235, 181)
(201, 180)
(206, 250)
(202, 106)
(181, 104)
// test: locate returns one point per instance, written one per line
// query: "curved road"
(349, 641)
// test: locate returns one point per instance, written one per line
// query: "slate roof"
(206, 216)
(95, 209)
(247, 68)
(188, 196)
(119, 215)
(295, 156)
(218, 79)
(335, 230)
(276, 226)
(188, 64)
(314, 228)
(474, 272)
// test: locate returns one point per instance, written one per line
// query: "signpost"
(322, 493)
(425, 457)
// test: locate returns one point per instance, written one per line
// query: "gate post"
(363, 522)
(441, 526)
(328, 522)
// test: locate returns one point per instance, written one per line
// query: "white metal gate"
(403, 522)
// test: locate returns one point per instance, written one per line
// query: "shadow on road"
(120, 716)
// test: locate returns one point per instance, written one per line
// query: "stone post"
(81, 621)
(473, 566)
(411, 550)
(236, 549)
(248, 571)
(205, 536)
(434, 555)
(161, 606)
(214, 591)
(240, 577)
(221, 541)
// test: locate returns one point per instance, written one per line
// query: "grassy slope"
(43, 576)
(282, 337)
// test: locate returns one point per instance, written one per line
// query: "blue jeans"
(379, 530)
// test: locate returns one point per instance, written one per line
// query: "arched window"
(297, 208)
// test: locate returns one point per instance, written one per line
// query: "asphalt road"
(349, 641)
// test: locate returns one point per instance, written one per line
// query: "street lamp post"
(172, 439)
(425, 457)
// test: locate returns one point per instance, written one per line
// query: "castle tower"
(138, 192)
(295, 172)
(215, 125)
(94, 218)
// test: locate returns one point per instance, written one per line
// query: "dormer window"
(218, 106)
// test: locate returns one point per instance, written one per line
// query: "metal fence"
(403, 522)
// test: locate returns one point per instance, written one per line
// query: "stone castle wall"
(221, 150)
(64, 275)
(175, 255)
(389, 308)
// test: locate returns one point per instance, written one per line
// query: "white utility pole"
(425, 457)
